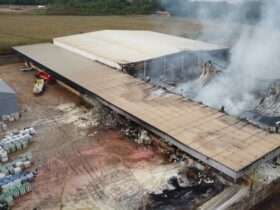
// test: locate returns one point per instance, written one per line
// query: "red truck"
(45, 76)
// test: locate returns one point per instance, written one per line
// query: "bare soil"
(272, 203)
(81, 168)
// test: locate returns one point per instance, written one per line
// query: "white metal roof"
(116, 47)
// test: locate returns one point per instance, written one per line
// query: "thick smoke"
(254, 63)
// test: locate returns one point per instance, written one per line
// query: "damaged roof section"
(119, 47)
(221, 141)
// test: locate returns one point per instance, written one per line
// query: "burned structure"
(147, 55)
(96, 64)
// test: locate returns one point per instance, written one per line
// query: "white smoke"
(255, 58)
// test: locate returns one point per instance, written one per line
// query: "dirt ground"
(81, 165)
(272, 203)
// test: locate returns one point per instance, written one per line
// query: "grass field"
(26, 29)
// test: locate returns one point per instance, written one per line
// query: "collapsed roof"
(228, 144)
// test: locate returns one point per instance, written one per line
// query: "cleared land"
(81, 166)
(27, 29)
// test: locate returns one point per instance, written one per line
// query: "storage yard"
(80, 163)
(99, 129)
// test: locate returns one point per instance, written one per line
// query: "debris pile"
(185, 191)
(176, 155)
(267, 113)
(137, 134)
(80, 116)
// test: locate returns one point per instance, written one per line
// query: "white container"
(17, 170)
(27, 164)
(19, 164)
(4, 159)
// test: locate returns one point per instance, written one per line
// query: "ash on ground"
(185, 191)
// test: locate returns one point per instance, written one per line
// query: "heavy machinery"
(42, 78)
(45, 76)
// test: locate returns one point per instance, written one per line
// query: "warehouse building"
(145, 53)
(94, 64)
(8, 100)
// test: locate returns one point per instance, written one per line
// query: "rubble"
(137, 134)
(185, 191)
(80, 116)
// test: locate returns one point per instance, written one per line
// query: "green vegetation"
(101, 7)
(91, 7)
(24, 2)
(28, 29)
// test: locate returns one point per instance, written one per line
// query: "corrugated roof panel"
(117, 47)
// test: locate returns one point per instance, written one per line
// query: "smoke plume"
(254, 63)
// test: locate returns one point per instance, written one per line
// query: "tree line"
(92, 7)
(248, 10)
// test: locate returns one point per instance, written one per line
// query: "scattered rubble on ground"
(102, 170)
(189, 188)
(137, 134)
(80, 116)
